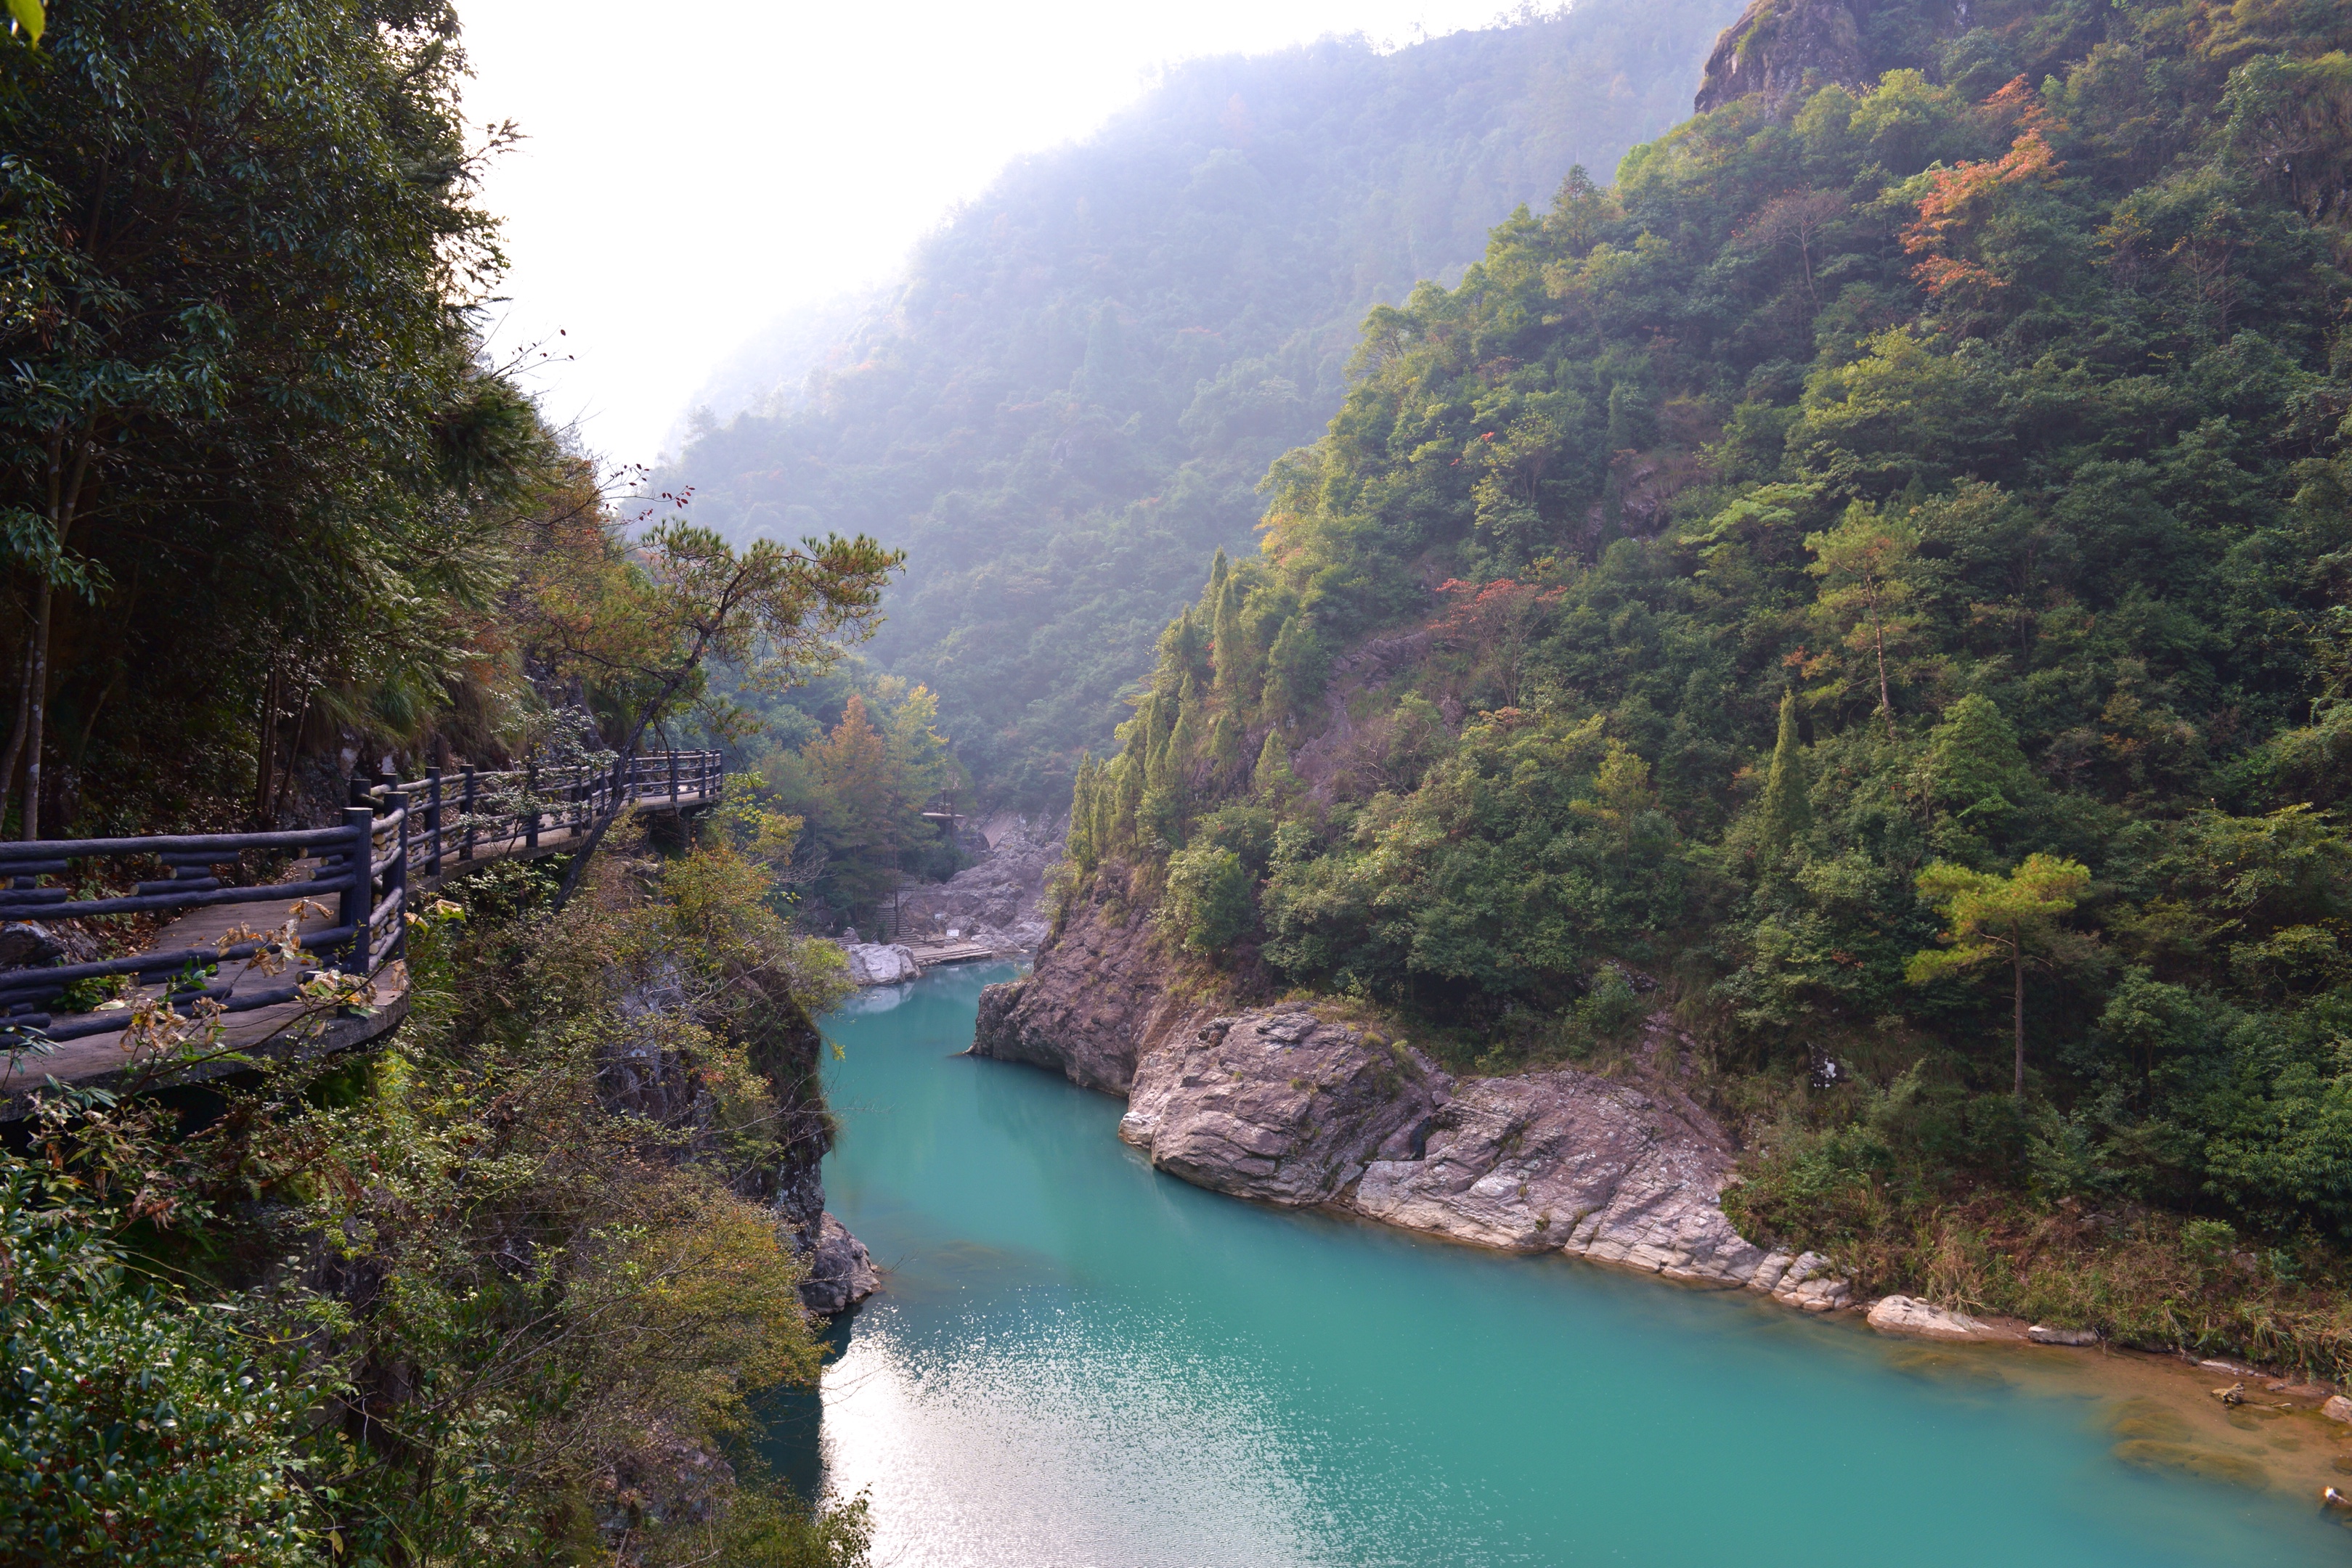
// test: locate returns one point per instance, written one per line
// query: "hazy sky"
(695, 169)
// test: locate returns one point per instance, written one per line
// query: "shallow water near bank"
(1080, 1361)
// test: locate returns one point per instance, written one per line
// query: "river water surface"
(1080, 1361)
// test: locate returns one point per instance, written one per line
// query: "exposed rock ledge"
(1908, 1315)
(1285, 1107)
(879, 963)
(841, 1272)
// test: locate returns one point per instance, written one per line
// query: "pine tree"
(1081, 847)
(1183, 650)
(2012, 920)
(1272, 780)
(1184, 740)
(1113, 811)
(1786, 808)
(1865, 565)
(1225, 739)
(1294, 672)
(1976, 773)
(1228, 643)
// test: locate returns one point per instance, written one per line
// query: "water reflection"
(1080, 1362)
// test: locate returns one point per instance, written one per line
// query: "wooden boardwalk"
(278, 1032)
(424, 858)
(927, 954)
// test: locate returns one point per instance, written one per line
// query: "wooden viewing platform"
(929, 953)
(346, 891)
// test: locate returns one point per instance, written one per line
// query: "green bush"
(134, 1428)
(1209, 904)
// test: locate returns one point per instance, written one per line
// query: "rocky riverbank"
(1292, 1105)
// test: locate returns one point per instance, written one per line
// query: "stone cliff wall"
(1289, 1103)
(1781, 46)
(1098, 1000)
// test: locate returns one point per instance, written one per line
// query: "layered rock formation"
(1914, 1319)
(1293, 1105)
(998, 901)
(1778, 48)
(1279, 1106)
(1092, 1009)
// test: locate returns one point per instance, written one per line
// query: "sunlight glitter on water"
(1080, 1361)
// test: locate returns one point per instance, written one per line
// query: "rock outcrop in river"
(1289, 1104)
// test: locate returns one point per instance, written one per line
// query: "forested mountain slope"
(1088, 368)
(1880, 574)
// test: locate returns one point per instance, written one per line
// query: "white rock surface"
(2042, 1334)
(1279, 1106)
(2337, 1408)
(1910, 1316)
(999, 901)
(876, 964)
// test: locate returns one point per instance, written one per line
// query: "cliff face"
(1779, 47)
(1292, 1105)
(1098, 1001)
(645, 1075)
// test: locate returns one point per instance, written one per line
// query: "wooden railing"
(393, 837)
(456, 818)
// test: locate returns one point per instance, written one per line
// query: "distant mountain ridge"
(1086, 371)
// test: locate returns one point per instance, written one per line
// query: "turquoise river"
(1080, 1361)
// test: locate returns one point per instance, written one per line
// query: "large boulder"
(1278, 1105)
(1566, 1160)
(1914, 1319)
(999, 901)
(24, 945)
(840, 1273)
(880, 964)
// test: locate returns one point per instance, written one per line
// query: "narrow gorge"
(1289, 1102)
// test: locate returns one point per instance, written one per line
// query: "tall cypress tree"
(1788, 809)
(1272, 779)
(1228, 645)
(1082, 847)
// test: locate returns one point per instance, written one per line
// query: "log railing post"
(357, 900)
(396, 882)
(465, 849)
(531, 810)
(433, 820)
(673, 780)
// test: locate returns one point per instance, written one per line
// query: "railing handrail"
(163, 844)
(365, 864)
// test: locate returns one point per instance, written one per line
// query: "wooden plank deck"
(285, 1029)
(929, 954)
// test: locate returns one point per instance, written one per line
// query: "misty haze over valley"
(1270, 784)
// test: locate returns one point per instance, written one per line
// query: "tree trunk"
(65, 495)
(17, 732)
(293, 754)
(1886, 697)
(37, 685)
(573, 872)
(265, 746)
(2017, 1016)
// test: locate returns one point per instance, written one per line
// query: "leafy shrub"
(134, 1428)
(1209, 904)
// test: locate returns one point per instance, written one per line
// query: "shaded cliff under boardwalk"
(1079, 1360)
